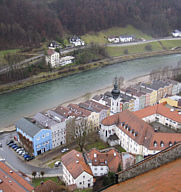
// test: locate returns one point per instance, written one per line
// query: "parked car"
(20, 152)
(1, 145)
(24, 153)
(19, 149)
(11, 141)
(57, 163)
(11, 144)
(64, 150)
(30, 158)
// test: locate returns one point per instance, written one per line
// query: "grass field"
(101, 37)
(118, 51)
(37, 180)
(168, 44)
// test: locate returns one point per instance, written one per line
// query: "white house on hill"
(52, 58)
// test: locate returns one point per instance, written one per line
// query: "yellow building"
(172, 101)
(153, 97)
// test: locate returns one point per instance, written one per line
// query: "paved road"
(18, 164)
(5, 69)
(141, 42)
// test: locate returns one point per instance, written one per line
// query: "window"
(161, 144)
(83, 177)
(95, 169)
(43, 136)
(155, 144)
(101, 168)
(38, 138)
(80, 183)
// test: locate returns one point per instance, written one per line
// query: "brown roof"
(64, 112)
(78, 110)
(50, 52)
(75, 164)
(142, 132)
(159, 109)
(110, 158)
(163, 179)
(12, 182)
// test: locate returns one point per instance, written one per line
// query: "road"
(5, 69)
(141, 42)
(17, 163)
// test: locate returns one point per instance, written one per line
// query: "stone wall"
(152, 162)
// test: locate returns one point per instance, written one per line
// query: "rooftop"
(75, 164)
(165, 178)
(12, 181)
(28, 127)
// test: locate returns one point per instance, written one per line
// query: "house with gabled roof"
(76, 171)
(103, 161)
(33, 137)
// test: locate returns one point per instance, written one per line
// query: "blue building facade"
(34, 138)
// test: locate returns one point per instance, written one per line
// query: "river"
(28, 101)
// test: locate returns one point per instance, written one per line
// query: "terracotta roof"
(159, 109)
(165, 178)
(64, 112)
(78, 110)
(50, 52)
(12, 181)
(75, 164)
(141, 132)
(110, 158)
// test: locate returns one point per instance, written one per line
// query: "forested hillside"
(28, 22)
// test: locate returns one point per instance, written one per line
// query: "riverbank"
(44, 77)
(83, 98)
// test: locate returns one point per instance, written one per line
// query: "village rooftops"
(55, 116)
(64, 111)
(93, 106)
(164, 178)
(141, 89)
(44, 120)
(159, 109)
(110, 158)
(140, 131)
(78, 110)
(75, 164)
(11, 181)
(27, 125)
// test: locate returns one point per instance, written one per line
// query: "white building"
(76, 171)
(137, 136)
(76, 41)
(176, 33)
(52, 58)
(102, 162)
(66, 60)
(57, 125)
(113, 39)
(126, 38)
(115, 99)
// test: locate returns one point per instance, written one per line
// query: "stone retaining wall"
(163, 157)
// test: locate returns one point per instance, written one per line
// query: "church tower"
(115, 100)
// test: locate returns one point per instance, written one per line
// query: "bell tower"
(115, 100)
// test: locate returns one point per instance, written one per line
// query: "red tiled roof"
(50, 52)
(159, 109)
(12, 182)
(163, 179)
(145, 133)
(75, 164)
(111, 158)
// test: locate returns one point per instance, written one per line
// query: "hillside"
(27, 23)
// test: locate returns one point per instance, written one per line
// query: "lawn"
(101, 37)
(120, 149)
(98, 145)
(37, 181)
(168, 44)
(133, 49)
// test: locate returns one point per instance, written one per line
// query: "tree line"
(27, 23)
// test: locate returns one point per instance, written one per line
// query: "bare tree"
(34, 174)
(77, 130)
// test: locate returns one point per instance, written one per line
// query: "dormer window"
(170, 143)
(136, 133)
(161, 144)
(129, 128)
(155, 144)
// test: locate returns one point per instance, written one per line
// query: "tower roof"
(115, 92)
